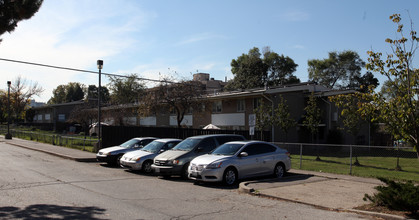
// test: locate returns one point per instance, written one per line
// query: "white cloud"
(298, 46)
(70, 34)
(295, 15)
(199, 37)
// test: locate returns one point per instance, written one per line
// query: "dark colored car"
(112, 155)
(176, 160)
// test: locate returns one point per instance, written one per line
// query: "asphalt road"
(34, 185)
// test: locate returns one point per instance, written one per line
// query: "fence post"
(350, 164)
(301, 155)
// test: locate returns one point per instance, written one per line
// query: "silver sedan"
(240, 159)
(143, 158)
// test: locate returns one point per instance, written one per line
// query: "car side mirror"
(199, 149)
(243, 154)
(161, 151)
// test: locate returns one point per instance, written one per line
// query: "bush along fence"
(373, 161)
(85, 144)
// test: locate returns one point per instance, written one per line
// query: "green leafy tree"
(263, 114)
(312, 117)
(280, 68)
(282, 117)
(30, 114)
(125, 90)
(73, 91)
(400, 111)
(92, 93)
(252, 70)
(14, 11)
(341, 70)
(3, 106)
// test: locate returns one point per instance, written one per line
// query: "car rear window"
(225, 139)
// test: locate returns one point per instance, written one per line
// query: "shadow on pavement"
(46, 211)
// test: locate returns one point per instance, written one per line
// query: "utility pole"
(8, 135)
(99, 66)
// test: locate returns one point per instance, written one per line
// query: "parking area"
(322, 190)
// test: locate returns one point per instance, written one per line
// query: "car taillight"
(288, 154)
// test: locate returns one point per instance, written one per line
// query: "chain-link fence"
(82, 143)
(374, 161)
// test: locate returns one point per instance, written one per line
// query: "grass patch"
(79, 142)
(373, 167)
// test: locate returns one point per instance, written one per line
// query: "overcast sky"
(179, 38)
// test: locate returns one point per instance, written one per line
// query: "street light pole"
(8, 135)
(99, 66)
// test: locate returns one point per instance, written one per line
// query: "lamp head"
(100, 64)
(9, 83)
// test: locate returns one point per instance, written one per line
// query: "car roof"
(215, 135)
(248, 142)
(165, 140)
(144, 138)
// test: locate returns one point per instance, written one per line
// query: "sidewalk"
(64, 152)
(322, 190)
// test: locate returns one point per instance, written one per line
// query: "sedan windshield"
(227, 149)
(130, 143)
(187, 144)
(153, 147)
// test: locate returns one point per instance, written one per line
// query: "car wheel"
(230, 176)
(279, 171)
(147, 167)
(118, 160)
(184, 173)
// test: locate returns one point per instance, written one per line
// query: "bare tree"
(179, 98)
(21, 92)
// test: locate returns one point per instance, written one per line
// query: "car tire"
(147, 167)
(279, 171)
(184, 173)
(230, 176)
(118, 161)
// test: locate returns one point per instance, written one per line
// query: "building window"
(217, 106)
(256, 102)
(47, 117)
(61, 117)
(241, 105)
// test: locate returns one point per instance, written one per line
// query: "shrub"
(401, 196)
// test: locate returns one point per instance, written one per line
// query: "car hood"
(171, 155)
(114, 149)
(137, 153)
(208, 158)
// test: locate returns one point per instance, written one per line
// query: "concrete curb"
(55, 154)
(244, 188)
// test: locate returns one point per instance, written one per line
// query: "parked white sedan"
(143, 158)
(240, 159)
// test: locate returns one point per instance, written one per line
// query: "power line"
(80, 70)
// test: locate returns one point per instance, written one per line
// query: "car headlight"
(215, 165)
(136, 159)
(175, 162)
